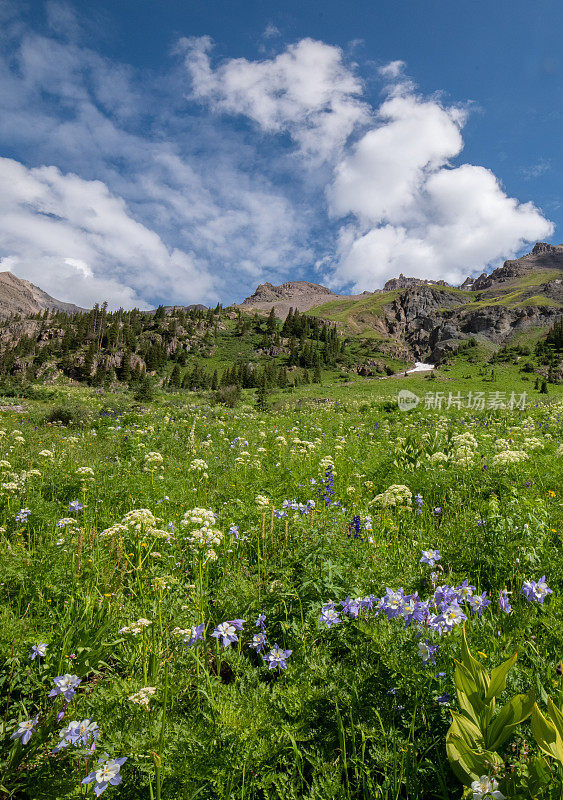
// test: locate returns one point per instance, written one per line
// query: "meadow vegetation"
(327, 600)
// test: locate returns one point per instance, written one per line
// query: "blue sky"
(181, 152)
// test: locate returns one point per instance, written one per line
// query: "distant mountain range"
(431, 317)
(413, 316)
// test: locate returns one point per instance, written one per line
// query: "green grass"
(357, 714)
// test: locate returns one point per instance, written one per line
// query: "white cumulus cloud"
(306, 91)
(77, 240)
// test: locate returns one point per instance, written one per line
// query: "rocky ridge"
(18, 296)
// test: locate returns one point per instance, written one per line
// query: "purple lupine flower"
(478, 603)
(65, 685)
(427, 651)
(277, 657)
(355, 527)
(260, 622)
(75, 506)
(106, 775)
(419, 501)
(430, 557)
(23, 514)
(226, 631)
(25, 730)
(329, 615)
(38, 650)
(258, 642)
(194, 634)
(503, 602)
(444, 699)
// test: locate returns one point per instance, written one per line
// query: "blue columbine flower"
(465, 592)
(260, 622)
(38, 650)
(79, 734)
(226, 631)
(536, 592)
(444, 699)
(329, 615)
(23, 514)
(75, 506)
(25, 730)
(430, 557)
(65, 685)
(194, 634)
(258, 642)
(419, 501)
(105, 775)
(478, 603)
(233, 531)
(427, 651)
(503, 602)
(277, 657)
(351, 607)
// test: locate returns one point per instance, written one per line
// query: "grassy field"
(315, 601)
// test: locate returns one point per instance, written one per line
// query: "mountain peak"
(18, 296)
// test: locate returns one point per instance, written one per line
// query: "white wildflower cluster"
(136, 627)
(46, 454)
(246, 459)
(396, 496)
(559, 451)
(501, 444)
(202, 535)
(139, 523)
(509, 457)
(143, 696)
(153, 461)
(533, 443)
(85, 472)
(302, 446)
(325, 463)
(281, 441)
(181, 632)
(465, 447)
(438, 458)
(198, 465)
(262, 501)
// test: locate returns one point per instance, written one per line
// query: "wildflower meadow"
(339, 600)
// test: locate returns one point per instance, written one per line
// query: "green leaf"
(546, 735)
(511, 714)
(556, 716)
(469, 764)
(468, 730)
(468, 695)
(498, 678)
(479, 675)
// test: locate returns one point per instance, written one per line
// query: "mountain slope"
(18, 296)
